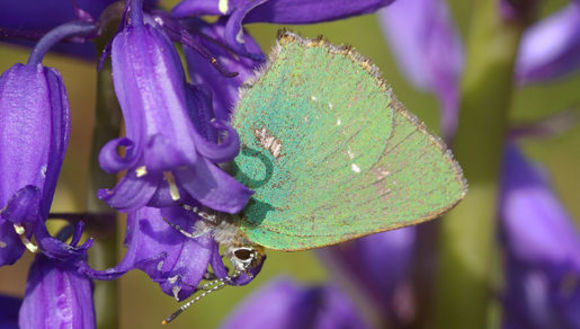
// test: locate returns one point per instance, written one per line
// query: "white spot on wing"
(349, 152)
(43, 171)
(160, 265)
(355, 168)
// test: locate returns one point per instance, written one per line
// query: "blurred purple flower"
(283, 304)
(166, 156)
(424, 40)
(542, 250)
(426, 45)
(380, 265)
(9, 307)
(550, 47)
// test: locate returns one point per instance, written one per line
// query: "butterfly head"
(245, 257)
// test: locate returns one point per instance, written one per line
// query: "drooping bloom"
(542, 250)
(166, 156)
(284, 304)
(57, 297)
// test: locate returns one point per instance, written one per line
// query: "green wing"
(331, 154)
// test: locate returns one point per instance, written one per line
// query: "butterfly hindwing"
(331, 154)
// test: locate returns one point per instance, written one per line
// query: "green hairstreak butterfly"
(331, 155)
(330, 152)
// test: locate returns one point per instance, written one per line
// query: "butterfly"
(331, 155)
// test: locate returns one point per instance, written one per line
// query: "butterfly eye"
(244, 254)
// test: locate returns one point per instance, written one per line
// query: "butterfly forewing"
(331, 154)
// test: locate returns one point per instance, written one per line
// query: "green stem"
(467, 238)
(103, 253)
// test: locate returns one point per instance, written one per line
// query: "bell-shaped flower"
(176, 262)
(167, 158)
(34, 126)
(542, 250)
(284, 304)
(57, 296)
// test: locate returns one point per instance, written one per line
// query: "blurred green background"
(144, 305)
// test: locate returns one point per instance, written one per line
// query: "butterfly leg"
(192, 235)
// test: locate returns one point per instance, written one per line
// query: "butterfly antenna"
(213, 286)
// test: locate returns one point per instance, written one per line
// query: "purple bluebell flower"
(542, 250)
(9, 307)
(202, 72)
(57, 296)
(380, 266)
(550, 47)
(176, 262)
(283, 304)
(426, 44)
(166, 156)
(34, 126)
(428, 49)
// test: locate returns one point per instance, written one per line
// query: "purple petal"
(384, 279)
(536, 227)
(542, 247)
(284, 304)
(11, 248)
(282, 11)
(308, 11)
(224, 89)
(132, 192)
(550, 47)
(428, 49)
(171, 259)
(150, 85)
(56, 297)
(23, 206)
(34, 120)
(9, 307)
(112, 162)
(212, 187)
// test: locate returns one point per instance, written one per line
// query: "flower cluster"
(177, 135)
